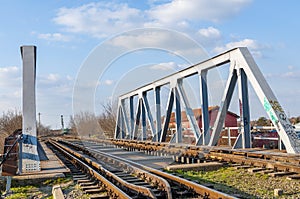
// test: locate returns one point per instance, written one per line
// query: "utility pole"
(62, 123)
(39, 119)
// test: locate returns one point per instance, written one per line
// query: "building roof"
(198, 113)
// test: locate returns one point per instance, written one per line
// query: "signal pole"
(39, 119)
(62, 123)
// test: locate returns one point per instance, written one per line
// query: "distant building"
(231, 120)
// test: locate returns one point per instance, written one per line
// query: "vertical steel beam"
(144, 125)
(204, 106)
(131, 115)
(137, 121)
(244, 138)
(168, 116)
(178, 116)
(122, 125)
(118, 123)
(218, 125)
(30, 157)
(158, 113)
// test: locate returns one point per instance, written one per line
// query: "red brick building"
(230, 121)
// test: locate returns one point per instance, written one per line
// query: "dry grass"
(243, 184)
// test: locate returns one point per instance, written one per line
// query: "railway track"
(134, 179)
(277, 162)
(85, 176)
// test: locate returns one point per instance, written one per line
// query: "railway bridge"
(133, 114)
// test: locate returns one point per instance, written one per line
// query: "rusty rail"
(269, 164)
(253, 157)
(112, 189)
(163, 184)
(197, 188)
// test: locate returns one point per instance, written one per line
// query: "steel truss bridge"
(242, 70)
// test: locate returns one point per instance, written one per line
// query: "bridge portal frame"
(243, 69)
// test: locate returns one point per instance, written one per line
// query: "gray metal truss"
(243, 69)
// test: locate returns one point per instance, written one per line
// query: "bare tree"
(72, 126)
(9, 122)
(87, 125)
(107, 119)
(43, 130)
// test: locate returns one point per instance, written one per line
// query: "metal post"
(205, 112)
(62, 123)
(158, 113)
(39, 120)
(131, 112)
(144, 126)
(8, 184)
(229, 136)
(178, 117)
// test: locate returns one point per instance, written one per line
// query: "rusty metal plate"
(10, 165)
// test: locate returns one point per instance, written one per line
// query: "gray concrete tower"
(30, 157)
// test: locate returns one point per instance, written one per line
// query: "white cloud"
(10, 76)
(176, 11)
(103, 19)
(160, 39)
(148, 38)
(53, 90)
(99, 19)
(253, 46)
(291, 75)
(55, 85)
(108, 82)
(69, 78)
(9, 69)
(210, 32)
(54, 37)
(10, 92)
(49, 79)
(53, 77)
(165, 66)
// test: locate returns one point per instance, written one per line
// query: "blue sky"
(66, 32)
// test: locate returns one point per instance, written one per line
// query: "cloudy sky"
(67, 33)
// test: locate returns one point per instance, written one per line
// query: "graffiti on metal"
(274, 109)
(269, 109)
(276, 106)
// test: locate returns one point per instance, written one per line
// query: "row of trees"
(88, 124)
(12, 120)
(263, 121)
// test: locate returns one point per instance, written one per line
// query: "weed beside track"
(243, 184)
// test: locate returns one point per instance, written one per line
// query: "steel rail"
(197, 188)
(164, 185)
(281, 160)
(270, 164)
(112, 189)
